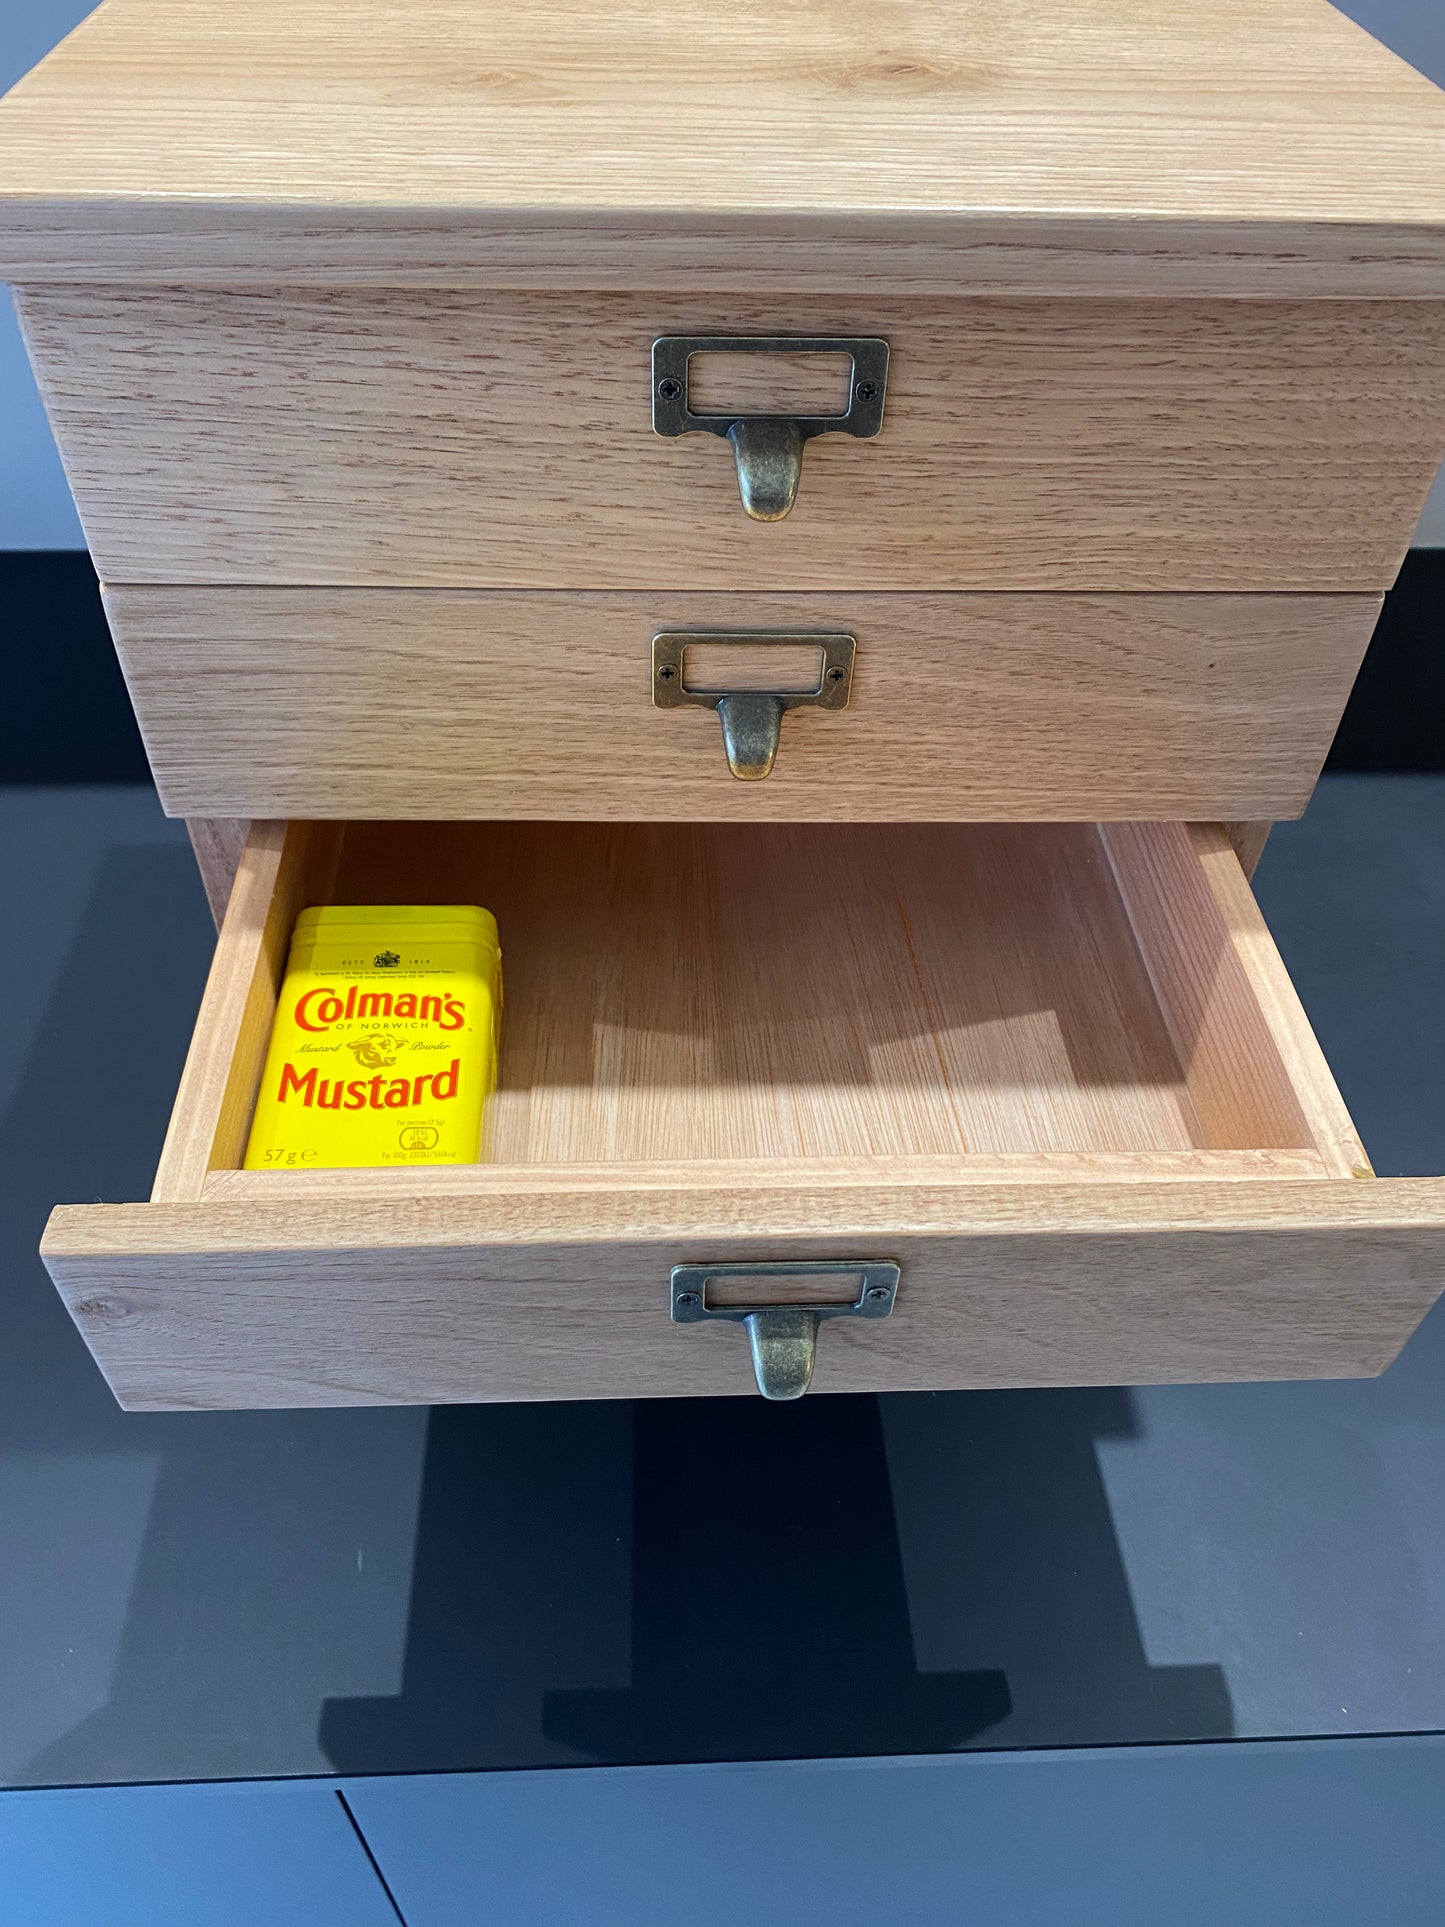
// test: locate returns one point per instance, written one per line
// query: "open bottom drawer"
(1057, 1074)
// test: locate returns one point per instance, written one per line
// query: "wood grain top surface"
(1104, 141)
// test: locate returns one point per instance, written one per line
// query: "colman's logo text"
(322, 1006)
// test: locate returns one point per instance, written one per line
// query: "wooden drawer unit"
(390, 703)
(1056, 1074)
(463, 403)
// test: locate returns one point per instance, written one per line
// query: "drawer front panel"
(444, 438)
(425, 1302)
(385, 703)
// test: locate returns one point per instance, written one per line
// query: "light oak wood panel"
(1229, 145)
(746, 1175)
(1241, 1035)
(78, 241)
(769, 383)
(278, 875)
(307, 1302)
(781, 991)
(388, 703)
(471, 440)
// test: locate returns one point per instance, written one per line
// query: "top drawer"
(445, 438)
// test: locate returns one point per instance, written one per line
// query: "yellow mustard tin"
(384, 1046)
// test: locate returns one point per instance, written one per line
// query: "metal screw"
(689, 1300)
(867, 391)
(836, 675)
(877, 1293)
(669, 388)
(666, 673)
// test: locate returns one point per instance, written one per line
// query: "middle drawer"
(999, 707)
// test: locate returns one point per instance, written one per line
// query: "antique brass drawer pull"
(768, 449)
(752, 719)
(783, 1338)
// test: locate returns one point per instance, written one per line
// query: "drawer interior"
(1051, 999)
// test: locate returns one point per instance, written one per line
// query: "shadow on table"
(769, 1612)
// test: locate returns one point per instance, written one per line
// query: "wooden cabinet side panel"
(218, 842)
(1248, 841)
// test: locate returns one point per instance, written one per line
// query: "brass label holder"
(783, 1339)
(768, 449)
(752, 719)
